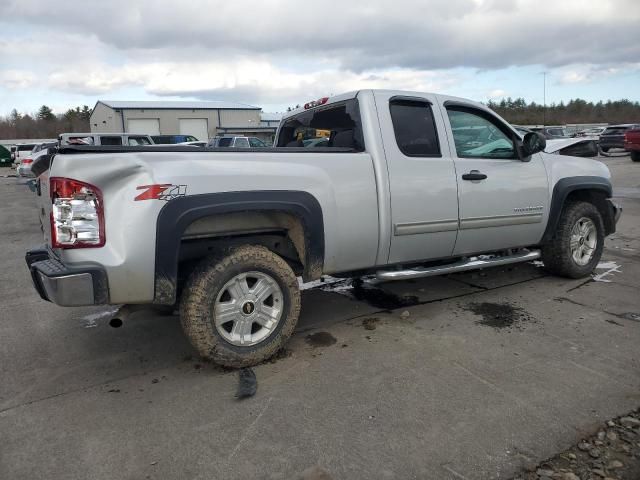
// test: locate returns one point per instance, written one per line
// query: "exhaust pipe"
(123, 314)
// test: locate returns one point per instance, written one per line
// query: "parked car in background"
(234, 141)
(173, 139)
(613, 136)
(198, 143)
(632, 143)
(552, 132)
(22, 150)
(24, 167)
(594, 132)
(127, 139)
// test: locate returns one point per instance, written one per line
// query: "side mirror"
(533, 142)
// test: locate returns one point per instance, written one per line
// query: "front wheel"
(635, 155)
(240, 309)
(604, 149)
(576, 247)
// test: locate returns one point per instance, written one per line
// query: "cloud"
(256, 81)
(17, 79)
(360, 35)
(282, 51)
(497, 93)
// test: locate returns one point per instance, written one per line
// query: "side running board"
(460, 266)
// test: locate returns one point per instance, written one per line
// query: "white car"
(26, 162)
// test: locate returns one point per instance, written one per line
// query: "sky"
(279, 53)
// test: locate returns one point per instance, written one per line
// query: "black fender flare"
(179, 213)
(561, 191)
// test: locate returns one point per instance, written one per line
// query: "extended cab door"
(504, 202)
(422, 179)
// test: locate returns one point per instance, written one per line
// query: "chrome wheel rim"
(248, 308)
(584, 239)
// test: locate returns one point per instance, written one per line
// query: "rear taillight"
(26, 161)
(77, 214)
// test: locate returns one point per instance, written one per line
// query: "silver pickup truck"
(387, 184)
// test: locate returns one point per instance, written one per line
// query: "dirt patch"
(612, 453)
(370, 323)
(499, 315)
(320, 339)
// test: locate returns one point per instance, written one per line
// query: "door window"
(414, 128)
(241, 142)
(477, 136)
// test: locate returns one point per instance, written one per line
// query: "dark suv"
(172, 139)
(613, 136)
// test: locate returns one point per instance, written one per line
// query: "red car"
(632, 143)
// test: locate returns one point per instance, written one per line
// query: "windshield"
(334, 126)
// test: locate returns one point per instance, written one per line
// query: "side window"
(414, 128)
(241, 142)
(255, 142)
(110, 140)
(138, 141)
(225, 142)
(476, 136)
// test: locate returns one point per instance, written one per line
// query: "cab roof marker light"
(316, 103)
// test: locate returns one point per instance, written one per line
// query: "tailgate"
(41, 170)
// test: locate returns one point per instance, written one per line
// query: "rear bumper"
(66, 286)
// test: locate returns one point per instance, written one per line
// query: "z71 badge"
(161, 191)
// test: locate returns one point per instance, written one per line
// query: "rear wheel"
(240, 309)
(604, 149)
(635, 155)
(576, 247)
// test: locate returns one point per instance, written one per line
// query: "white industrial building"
(203, 120)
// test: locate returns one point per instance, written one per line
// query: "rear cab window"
(110, 140)
(335, 125)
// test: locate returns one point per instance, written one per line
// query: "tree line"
(44, 123)
(519, 112)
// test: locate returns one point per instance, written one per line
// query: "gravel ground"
(613, 453)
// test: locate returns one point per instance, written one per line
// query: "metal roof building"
(203, 120)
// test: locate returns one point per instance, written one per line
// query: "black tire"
(604, 149)
(203, 289)
(557, 254)
(635, 156)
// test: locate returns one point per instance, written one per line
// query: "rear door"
(422, 178)
(503, 200)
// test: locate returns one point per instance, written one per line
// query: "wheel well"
(599, 199)
(281, 232)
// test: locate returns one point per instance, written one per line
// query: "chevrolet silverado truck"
(408, 185)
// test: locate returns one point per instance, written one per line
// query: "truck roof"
(353, 94)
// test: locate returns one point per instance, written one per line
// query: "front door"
(504, 202)
(422, 179)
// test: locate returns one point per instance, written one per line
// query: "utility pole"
(544, 99)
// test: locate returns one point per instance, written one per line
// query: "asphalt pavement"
(468, 376)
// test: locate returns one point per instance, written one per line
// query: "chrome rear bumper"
(65, 286)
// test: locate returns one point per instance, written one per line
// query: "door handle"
(474, 175)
